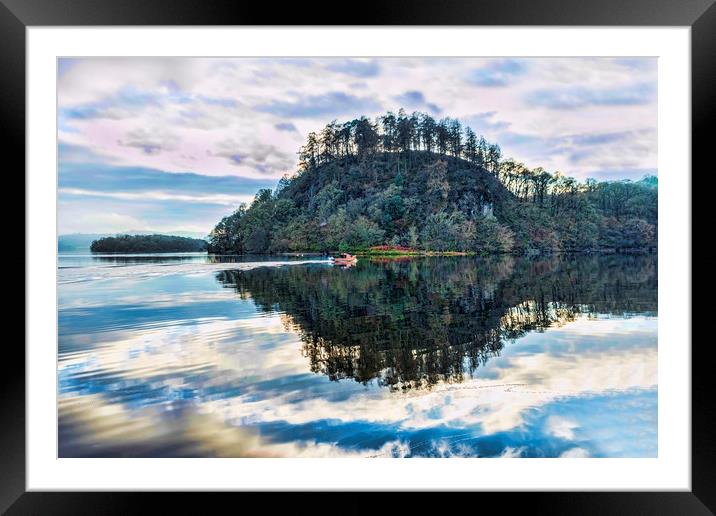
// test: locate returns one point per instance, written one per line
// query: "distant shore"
(147, 244)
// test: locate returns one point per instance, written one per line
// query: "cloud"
(130, 102)
(512, 453)
(579, 97)
(411, 98)
(328, 104)
(485, 122)
(223, 199)
(83, 179)
(218, 101)
(574, 453)
(600, 138)
(286, 126)
(299, 62)
(124, 103)
(150, 142)
(355, 67)
(621, 150)
(414, 99)
(497, 73)
(590, 154)
(88, 213)
(115, 222)
(68, 154)
(641, 64)
(266, 158)
(560, 427)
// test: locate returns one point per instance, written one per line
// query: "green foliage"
(361, 234)
(411, 180)
(148, 244)
(533, 228)
(631, 234)
(443, 232)
(493, 237)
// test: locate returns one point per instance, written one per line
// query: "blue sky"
(174, 144)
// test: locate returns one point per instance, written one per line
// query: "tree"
(470, 145)
(326, 201)
(441, 232)
(481, 151)
(363, 234)
(309, 153)
(428, 129)
(455, 136)
(437, 185)
(366, 138)
(540, 185)
(390, 126)
(637, 234)
(492, 160)
(442, 136)
(492, 237)
(406, 130)
(329, 141)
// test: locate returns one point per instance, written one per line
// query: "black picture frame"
(17, 15)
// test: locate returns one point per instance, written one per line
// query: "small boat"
(346, 259)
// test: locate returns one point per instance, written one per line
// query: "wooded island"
(148, 244)
(411, 181)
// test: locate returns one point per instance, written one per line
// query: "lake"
(190, 355)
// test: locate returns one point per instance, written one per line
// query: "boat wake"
(95, 273)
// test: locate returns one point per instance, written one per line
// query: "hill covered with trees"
(413, 181)
(147, 244)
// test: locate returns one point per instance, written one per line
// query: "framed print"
(428, 250)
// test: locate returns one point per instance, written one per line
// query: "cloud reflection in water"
(449, 357)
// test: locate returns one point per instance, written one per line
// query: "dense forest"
(147, 244)
(433, 185)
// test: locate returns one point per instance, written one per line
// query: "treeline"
(148, 244)
(414, 181)
(399, 133)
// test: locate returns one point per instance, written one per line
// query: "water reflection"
(414, 323)
(423, 357)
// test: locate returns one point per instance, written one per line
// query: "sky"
(173, 144)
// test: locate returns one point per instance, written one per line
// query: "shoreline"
(420, 253)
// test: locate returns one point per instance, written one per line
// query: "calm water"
(196, 356)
